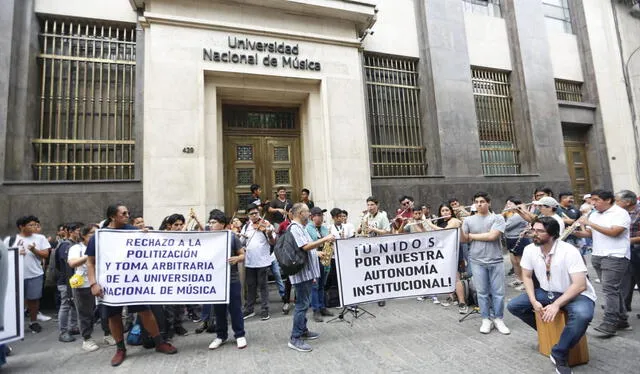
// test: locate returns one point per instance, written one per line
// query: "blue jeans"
(235, 311)
(275, 270)
(579, 314)
(303, 299)
(67, 315)
(489, 282)
(317, 291)
(205, 316)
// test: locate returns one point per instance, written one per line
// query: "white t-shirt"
(344, 231)
(32, 266)
(75, 252)
(604, 245)
(257, 248)
(565, 260)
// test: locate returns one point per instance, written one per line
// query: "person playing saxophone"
(316, 231)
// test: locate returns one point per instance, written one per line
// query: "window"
(556, 13)
(492, 96)
(86, 127)
(394, 116)
(486, 7)
(568, 90)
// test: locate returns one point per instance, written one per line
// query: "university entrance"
(575, 149)
(262, 146)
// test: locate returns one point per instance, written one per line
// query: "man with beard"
(563, 285)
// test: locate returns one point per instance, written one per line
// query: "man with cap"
(548, 207)
(317, 231)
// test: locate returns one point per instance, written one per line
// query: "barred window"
(568, 90)
(394, 116)
(556, 13)
(492, 96)
(86, 129)
(486, 7)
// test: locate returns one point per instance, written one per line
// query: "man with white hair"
(628, 201)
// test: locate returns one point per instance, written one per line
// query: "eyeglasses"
(539, 231)
(406, 202)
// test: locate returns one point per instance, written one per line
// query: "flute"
(516, 207)
(426, 220)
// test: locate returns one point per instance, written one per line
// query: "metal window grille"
(498, 150)
(568, 90)
(252, 118)
(394, 116)
(86, 129)
(486, 7)
(557, 15)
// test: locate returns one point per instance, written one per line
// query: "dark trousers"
(611, 271)
(173, 315)
(234, 309)
(632, 278)
(256, 279)
(85, 303)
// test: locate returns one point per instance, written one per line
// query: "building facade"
(173, 105)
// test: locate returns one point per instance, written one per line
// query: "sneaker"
(181, 331)
(216, 343)
(486, 326)
(109, 340)
(606, 329)
(75, 331)
(435, 299)
(447, 301)
(211, 329)
(623, 325)
(421, 298)
(90, 345)
(194, 317)
(241, 342)
(308, 335)
(166, 348)
(285, 308)
(247, 315)
(43, 318)
(326, 312)
(520, 287)
(299, 345)
(382, 303)
(204, 326)
(317, 316)
(597, 280)
(515, 283)
(511, 272)
(65, 337)
(500, 326)
(119, 357)
(560, 364)
(264, 316)
(35, 327)
(463, 309)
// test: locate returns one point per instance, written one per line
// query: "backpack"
(470, 294)
(290, 257)
(134, 337)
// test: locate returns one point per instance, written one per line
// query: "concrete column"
(448, 110)
(536, 113)
(6, 37)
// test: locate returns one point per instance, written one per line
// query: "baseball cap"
(315, 210)
(547, 200)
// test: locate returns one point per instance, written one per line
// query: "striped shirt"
(311, 269)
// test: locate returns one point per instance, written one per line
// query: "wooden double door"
(270, 161)
(576, 154)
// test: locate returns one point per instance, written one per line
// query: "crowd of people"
(547, 239)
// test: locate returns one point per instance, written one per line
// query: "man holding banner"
(483, 230)
(303, 280)
(118, 218)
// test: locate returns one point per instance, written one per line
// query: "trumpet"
(192, 222)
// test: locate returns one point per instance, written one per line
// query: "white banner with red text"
(163, 267)
(396, 266)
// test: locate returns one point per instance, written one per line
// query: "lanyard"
(547, 262)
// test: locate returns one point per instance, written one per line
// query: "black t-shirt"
(235, 248)
(63, 270)
(278, 217)
(91, 247)
(571, 212)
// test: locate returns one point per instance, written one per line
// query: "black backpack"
(290, 257)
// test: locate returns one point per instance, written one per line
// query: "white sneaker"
(43, 318)
(420, 298)
(486, 326)
(500, 326)
(241, 342)
(216, 343)
(109, 340)
(90, 345)
(515, 283)
(435, 299)
(520, 287)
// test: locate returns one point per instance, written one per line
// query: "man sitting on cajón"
(563, 285)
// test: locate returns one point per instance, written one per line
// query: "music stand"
(355, 310)
(474, 310)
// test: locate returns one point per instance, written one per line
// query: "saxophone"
(364, 225)
(327, 249)
(569, 230)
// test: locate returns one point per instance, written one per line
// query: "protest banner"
(163, 267)
(11, 296)
(396, 266)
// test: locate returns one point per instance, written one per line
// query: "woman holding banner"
(218, 221)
